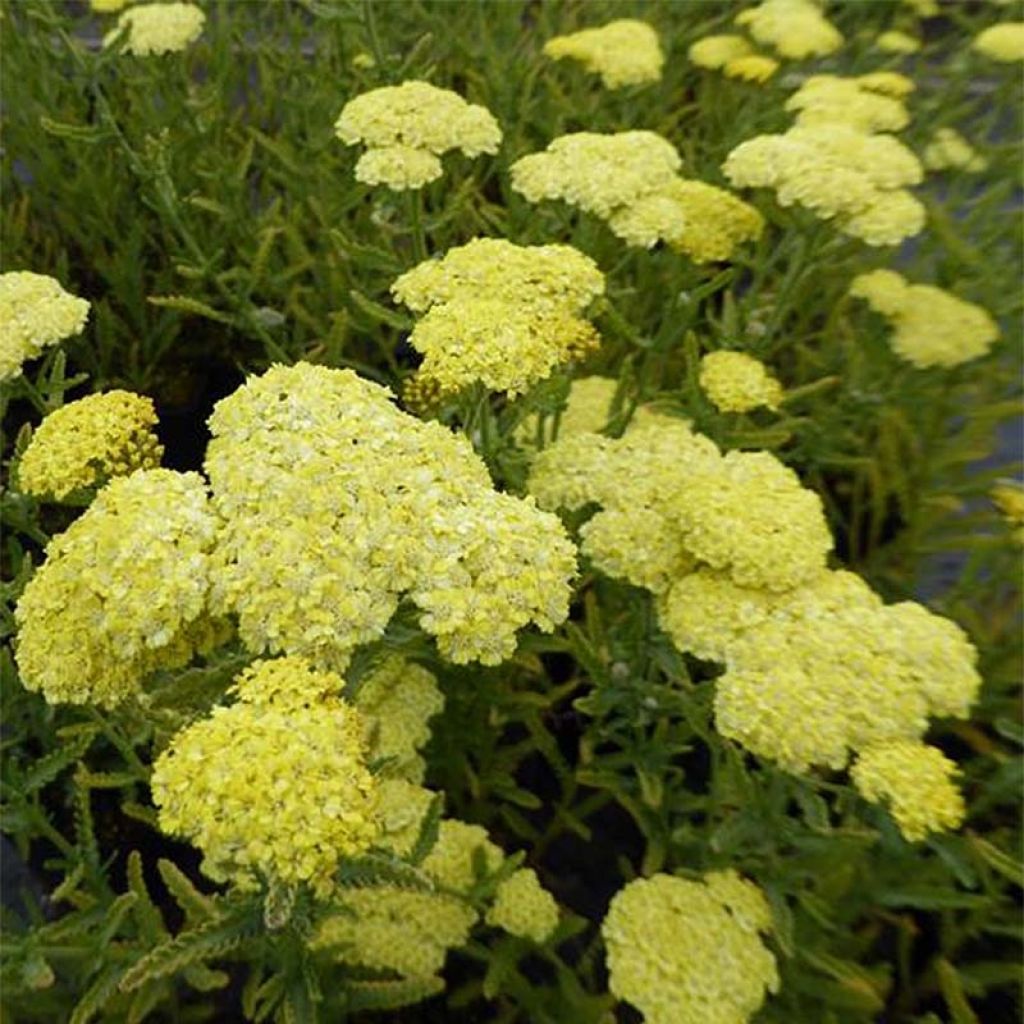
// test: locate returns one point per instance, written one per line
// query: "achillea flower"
(1004, 43)
(887, 83)
(334, 504)
(35, 312)
(502, 314)
(949, 150)
(88, 442)
(407, 127)
(452, 861)
(1008, 497)
(158, 28)
(623, 52)
(274, 786)
(736, 382)
(122, 592)
(916, 781)
(687, 952)
(794, 28)
(587, 411)
(894, 41)
(857, 674)
(754, 68)
(523, 907)
(108, 6)
(931, 327)
(397, 700)
(716, 51)
(386, 928)
(856, 102)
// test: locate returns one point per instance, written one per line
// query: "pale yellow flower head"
(687, 952)
(35, 312)
(754, 68)
(796, 29)
(624, 52)
(916, 782)
(407, 127)
(122, 592)
(949, 150)
(717, 51)
(523, 907)
(931, 327)
(736, 382)
(894, 41)
(158, 28)
(1004, 43)
(108, 6)
(87, 442)
(274, 786)
(865, 103)
(452, 862)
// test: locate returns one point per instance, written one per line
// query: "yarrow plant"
(511, 512)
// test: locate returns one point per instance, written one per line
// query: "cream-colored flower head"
(687, 952)
(407, 127)
(949, 150)
(754, 68)
(502, 314)
(916, 781)
(122, 592)
(35, 312)
(87, 442)
(624, 52)
(716, 51)
(894, 41)
(274, 786)
(796, 29)
(931, 327)
(158, 28)
(523, 907)
(1004, 43)
(736, 382)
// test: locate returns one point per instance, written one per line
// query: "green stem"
(419, 238)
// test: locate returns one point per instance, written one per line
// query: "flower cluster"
(895, 41)
(671, 502)
(587, 410)
(87, 442)
(122, 592)
(630, 180)
(158, 28)
(35, 312)
(949, 150)
(795, 29)
(734, 56)
(407, 128)
(274, 786)
(452, 862)
(687, 952)
(499, 313)
(523, 907)
(916, 781)
(1004, 43)
(397, 700)
(838, 170)
(623, 52)
(334, 504)
(736, 382)
(869, 103)
(931, 327)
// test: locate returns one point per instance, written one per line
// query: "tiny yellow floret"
(624, 52)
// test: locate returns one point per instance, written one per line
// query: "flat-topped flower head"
(915, 781)
(623, 52)
(796, 29)
(274, 786)
(689, 952)
(949, 150)
(736, 382)
(716, 51)
(931, 327)
(753, 68)
(1003, 43)
(866, 103)
(407, 127)
(158, 28)
(89, 441)
(122, 592)
(895, 41)
(35, 312)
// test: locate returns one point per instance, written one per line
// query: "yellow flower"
(717, 51)
(35, 312)
(1003, 42)
(401, 808)
(274, 786)
(687, 952)
(121, 593)
(948, 150)
(754, 68)
(931, 327)
(460, 849)
(623, 52)
(795, 28)
(87, 442)
(857, 102)
(1008, 497)
(916, 781)
(736, 382)
(108, 6)
(522, 907)
(407, 127)
(897, 42)
(888, 83)
(158, 28)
